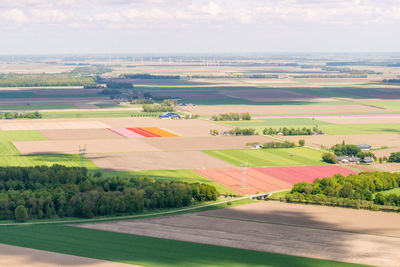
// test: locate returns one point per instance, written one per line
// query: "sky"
(198, 26)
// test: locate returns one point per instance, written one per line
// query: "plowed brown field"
(303, 230)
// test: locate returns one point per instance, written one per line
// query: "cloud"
(48, 15)
(14, 15)
(212, 9)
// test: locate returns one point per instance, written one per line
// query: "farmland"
(135, 249)
(120, 140)
(269, 157)
(261, 226)
(269, 179)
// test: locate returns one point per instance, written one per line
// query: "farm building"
(364, 147)
(347, 159)
(367, 160)
(169, 115)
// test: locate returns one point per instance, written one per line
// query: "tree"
(329, 158)
(302, 142)
(21, 214)
(394, 157)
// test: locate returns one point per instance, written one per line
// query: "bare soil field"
(204, 143)
(12, 256)
(311, 231)
(72, 146)
(267, 95)
(387, 167)
(51, 124)
(157, 161)
(283, 109)
(80, 134)
(374, 140)
(386, 152)
(188, 128)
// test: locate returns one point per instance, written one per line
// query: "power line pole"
(82, 152)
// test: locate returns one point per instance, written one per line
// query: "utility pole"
(82, 152)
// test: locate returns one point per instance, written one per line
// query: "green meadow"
(298, 156)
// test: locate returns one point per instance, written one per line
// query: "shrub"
(302, 142)
(21, 214)
(329, 158)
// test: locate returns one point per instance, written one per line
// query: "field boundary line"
(130, 216)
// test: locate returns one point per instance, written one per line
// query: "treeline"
(150, 76)
(45, 79)
(236, 131)
(119, 85)
(355, 190)
(351, 151)
(239, 76)
(285, 144)
(233, 116)
(58, 191)
(329, 76)
(350, 71)
(292, 131)
(157, 108)
(391, 80)
(20, 115)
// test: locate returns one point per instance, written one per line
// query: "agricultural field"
(122, 140)
(269, 157)
(311, 231)
(270, 179)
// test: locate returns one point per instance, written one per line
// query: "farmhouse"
(347, 159)
(169, 115)
(364, 147)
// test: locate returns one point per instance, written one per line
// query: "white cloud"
(211, 9)
(14, 15)
(48, 15)
(113, 17)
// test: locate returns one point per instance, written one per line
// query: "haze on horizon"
(206, 26)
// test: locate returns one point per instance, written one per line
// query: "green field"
(328, 128)
(10, 156)
(31, 94)
(269, 157)
(95, 114)
(142, 250)
(383, 128)
(36, 107)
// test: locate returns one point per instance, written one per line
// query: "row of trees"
(391, 80)
(233, 116)
(355, 186)
(285, 144)
(20, 115)
(150, 76)
(292, 131)
(157, 108)
(58, 191)
(45, 79)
